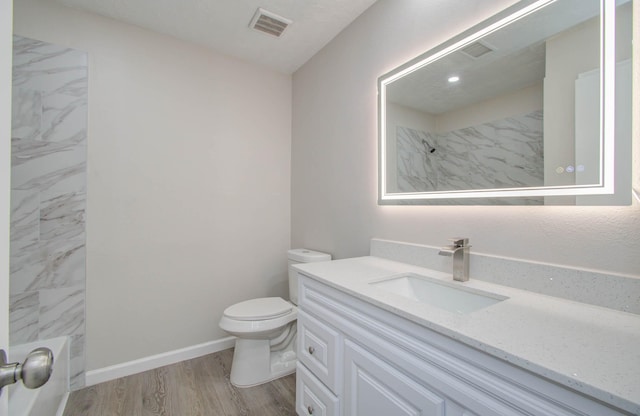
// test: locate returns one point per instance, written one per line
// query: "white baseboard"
(159, 360)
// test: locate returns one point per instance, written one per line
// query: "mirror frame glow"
(500, 20)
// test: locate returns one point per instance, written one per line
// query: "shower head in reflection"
(428, 147)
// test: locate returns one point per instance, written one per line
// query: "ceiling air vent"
(476, 49)
(269, 23)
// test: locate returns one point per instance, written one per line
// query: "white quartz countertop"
(591, 349)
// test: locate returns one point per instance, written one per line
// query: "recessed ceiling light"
(453, 79)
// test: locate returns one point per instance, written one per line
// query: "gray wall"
(334, 157)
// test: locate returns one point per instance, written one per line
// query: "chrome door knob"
(37, 368)
(34, 372)
(311, 350)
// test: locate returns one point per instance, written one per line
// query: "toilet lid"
(259, 309)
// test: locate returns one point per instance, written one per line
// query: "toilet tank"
(301, 255)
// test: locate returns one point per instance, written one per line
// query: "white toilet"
(266, 330)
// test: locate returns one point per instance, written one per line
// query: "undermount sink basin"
(443, 295)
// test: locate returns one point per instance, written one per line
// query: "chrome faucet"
(460, 252)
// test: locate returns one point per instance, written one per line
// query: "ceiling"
(223, 25)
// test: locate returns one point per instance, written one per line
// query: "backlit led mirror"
(532, 106)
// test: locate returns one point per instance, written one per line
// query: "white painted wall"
(334, 159)
(188, 183)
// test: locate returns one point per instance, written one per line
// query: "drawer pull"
(311, 351)
(310, 410)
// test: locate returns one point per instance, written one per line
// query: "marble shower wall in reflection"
(48, 196)
(499, 154)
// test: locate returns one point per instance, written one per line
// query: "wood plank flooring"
(198, 387)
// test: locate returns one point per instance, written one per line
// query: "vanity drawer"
(312, 397)
(319, 349)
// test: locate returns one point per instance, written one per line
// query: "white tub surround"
(51, 398)
(587, 349)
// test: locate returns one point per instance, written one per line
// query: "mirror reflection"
(517, 108)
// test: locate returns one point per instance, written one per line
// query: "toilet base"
(254, 363)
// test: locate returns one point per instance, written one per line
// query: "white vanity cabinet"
(356, 359)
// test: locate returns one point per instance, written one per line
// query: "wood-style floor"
(198, 387)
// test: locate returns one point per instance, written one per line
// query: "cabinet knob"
(311, 351)
(310, 410)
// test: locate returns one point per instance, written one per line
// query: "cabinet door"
(373, 387)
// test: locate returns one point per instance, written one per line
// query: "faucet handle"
(460, 241)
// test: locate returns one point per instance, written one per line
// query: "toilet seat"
(258, 318)
(259, 309)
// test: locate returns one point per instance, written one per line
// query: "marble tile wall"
(48, 196)
(499, 154)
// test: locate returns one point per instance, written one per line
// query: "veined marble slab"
(49, 68)
(499, 154)
(49, 139)
(64, 117)
(24, 310)
(25, 219)
(45, 168)
(48, 264)
(26, 114)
